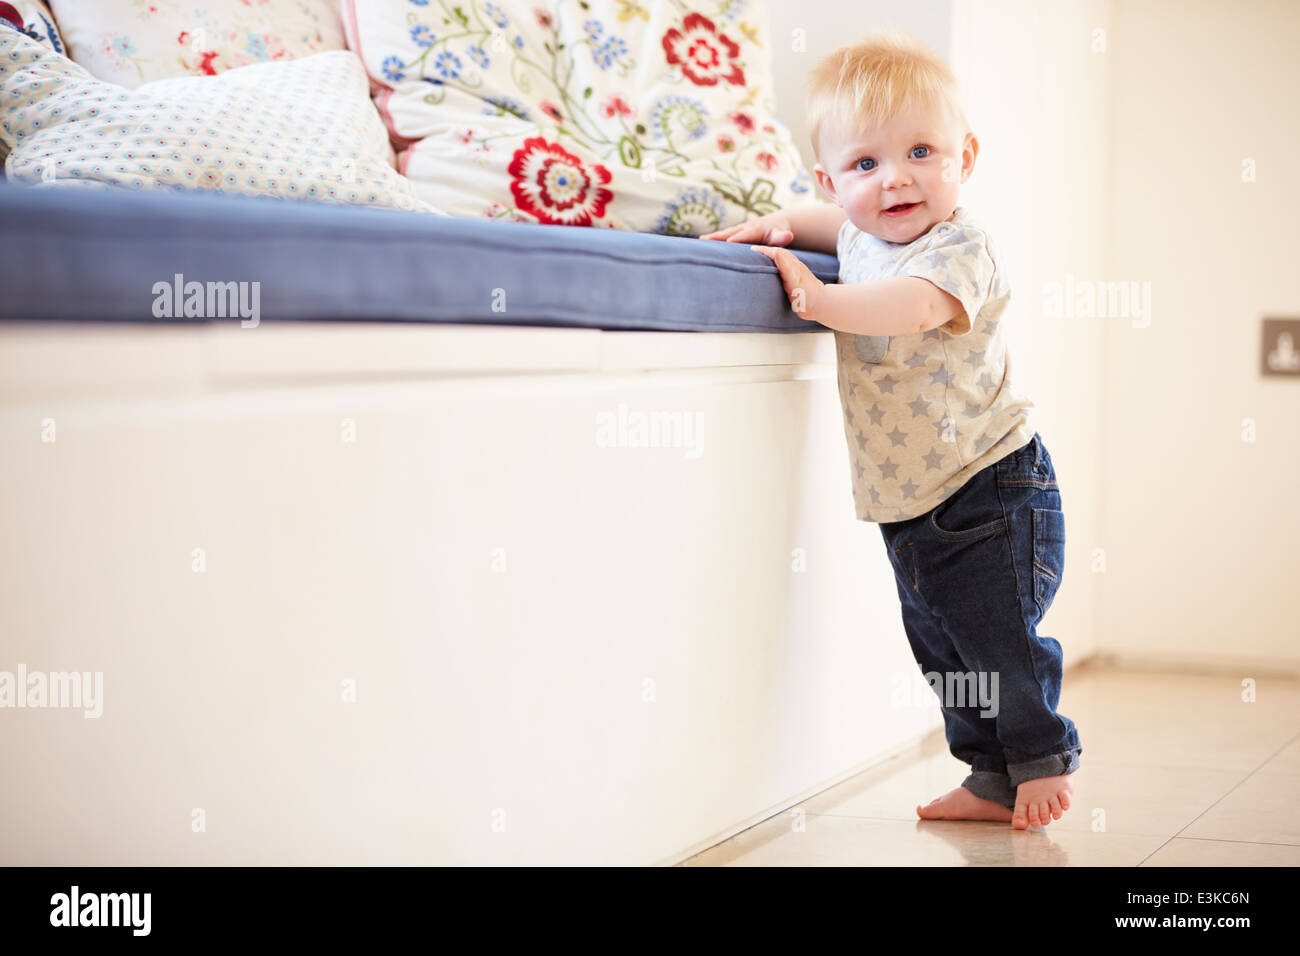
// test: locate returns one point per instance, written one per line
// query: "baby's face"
(920, 157)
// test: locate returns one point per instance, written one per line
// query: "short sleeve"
(959, 262)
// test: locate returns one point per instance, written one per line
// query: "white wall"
(1038, 99)
(1200, 526)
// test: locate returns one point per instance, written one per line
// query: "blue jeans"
(975, 575)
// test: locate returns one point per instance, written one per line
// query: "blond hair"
(864, 85)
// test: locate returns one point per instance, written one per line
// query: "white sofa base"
(559, 653)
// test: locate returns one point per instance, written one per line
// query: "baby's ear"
(824, 181)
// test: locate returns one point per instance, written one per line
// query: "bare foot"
(1042, 800)
(961, 804)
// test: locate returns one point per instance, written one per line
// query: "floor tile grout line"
(1048, 830)
(1129, 764)
(1244, 842)
(1221, 799)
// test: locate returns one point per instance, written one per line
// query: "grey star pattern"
(933, 460)
(897, 437)
(908, 488)
(917, 360)
(919, 406)
(889, 470)
(936, 260)
(876, 414)
(939, 376)
(985, 380)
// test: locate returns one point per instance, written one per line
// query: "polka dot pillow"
(653, 117)
(300, 129)
(129, 42)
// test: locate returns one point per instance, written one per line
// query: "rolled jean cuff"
(992, 786)
(1052, 765)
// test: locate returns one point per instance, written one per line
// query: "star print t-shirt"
(923, 413)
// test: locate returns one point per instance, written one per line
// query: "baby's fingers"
(786, 261)
(745, 232)
(795, 276)
(722, 233)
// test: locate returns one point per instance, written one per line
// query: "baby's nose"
(896, 176)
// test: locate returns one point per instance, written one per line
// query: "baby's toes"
(1064, 796)
(1032, 814)
(1020, 817)
(1057, 812)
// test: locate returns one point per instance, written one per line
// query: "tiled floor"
(1177, 770)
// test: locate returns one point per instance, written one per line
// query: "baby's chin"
(913, 232)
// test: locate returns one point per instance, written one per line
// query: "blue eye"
(926, 148)
(866, 159)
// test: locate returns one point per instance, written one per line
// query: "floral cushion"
(305, 128)
(653, 117)
(129, 42)
(38, 23)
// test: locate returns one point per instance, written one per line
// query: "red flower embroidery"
(556, 186)
(726, 143)
(705, 55)
(744, 122)
(766, 160)
(544, 19)
(549, 109)
(616, 104)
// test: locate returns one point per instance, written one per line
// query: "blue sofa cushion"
(97, 254)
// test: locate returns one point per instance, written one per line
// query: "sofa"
(410, 509)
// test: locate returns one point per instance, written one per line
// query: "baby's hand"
(804, 289)
(773, 229)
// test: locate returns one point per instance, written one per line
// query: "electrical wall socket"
(1280, 347)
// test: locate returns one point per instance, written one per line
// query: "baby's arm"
(811, 226)
(905, 305)
(901, 306)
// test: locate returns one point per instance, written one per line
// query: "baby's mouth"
(901, 209)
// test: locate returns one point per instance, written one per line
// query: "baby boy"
(945, 458)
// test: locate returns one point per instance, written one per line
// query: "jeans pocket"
(1049, 555)
(969, 513)
(871, 349)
